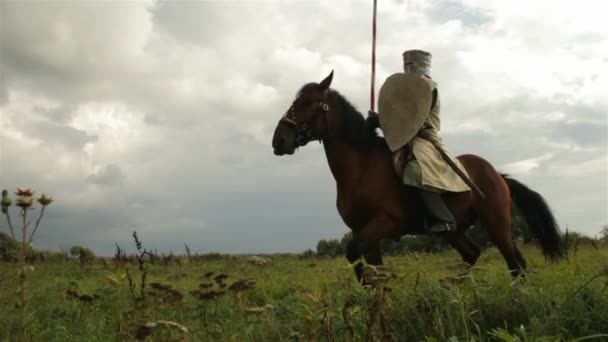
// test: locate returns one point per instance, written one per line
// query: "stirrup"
(441, 227)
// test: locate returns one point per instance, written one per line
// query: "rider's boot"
(441, 218)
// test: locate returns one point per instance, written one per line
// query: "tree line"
(432, 244)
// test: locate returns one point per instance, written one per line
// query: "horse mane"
(355, 128)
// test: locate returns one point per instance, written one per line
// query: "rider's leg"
(442, 219)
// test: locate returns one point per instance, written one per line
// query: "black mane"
(355, 128)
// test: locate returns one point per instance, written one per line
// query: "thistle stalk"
(29, 240)
(10, 226)
(25, 200)
(22, 275)
(6, 202)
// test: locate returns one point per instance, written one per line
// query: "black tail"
(538, 215)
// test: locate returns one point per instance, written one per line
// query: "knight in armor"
(409, 116)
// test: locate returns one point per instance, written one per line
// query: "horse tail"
(536, 212)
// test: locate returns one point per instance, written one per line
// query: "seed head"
(25, 202)
(220, 278)
(45, 200)
(24, 192)
(6, 201)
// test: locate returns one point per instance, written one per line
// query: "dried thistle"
(188, 253)
(25, 192)
(160, 286)
(141, 263)
(168, 293)
(172, 296)
(45, 200)
(220, 278)
(25, 201)
(72, 293)
(206, 295)
(137, 241)
(85, 298)
(242, 285)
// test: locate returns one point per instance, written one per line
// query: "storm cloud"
(157, 116)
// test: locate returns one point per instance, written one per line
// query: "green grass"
(430, 299)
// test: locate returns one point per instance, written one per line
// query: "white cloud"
(527, 165)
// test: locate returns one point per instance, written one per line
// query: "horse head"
(308, 118)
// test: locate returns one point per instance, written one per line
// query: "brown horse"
(374, 203)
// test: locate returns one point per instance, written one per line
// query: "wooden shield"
(404, 103)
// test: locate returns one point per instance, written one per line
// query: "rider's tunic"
(427, 170)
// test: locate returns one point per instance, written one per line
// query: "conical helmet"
(417, 62)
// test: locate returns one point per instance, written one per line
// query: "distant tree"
(409, 243)
(415, 243)
(8, 248)
(84, 254)
(346, 238)
(331, 248)
(309, 253)
(429, 243)
(604, 233)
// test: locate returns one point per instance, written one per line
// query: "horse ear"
(327, 81)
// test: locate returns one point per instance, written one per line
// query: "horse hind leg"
(514, 259)
(465, 247)
(521, 259)
(499, 229)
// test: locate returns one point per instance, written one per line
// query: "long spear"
(373, 81)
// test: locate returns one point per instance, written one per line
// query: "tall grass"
(425, 297)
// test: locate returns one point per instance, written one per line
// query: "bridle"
(303, 130)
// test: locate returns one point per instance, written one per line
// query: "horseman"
(409, 116)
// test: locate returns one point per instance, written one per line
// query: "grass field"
(428, 298)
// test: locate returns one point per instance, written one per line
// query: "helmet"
(417, 62)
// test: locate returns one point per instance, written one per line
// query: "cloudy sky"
(158, 116)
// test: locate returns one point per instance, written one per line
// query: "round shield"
(404, 103)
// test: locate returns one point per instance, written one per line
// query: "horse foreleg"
(366, 242)
(467, 249)
(374, 254)
(353, 253)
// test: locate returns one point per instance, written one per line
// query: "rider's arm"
(373, 120)
(434, 101)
